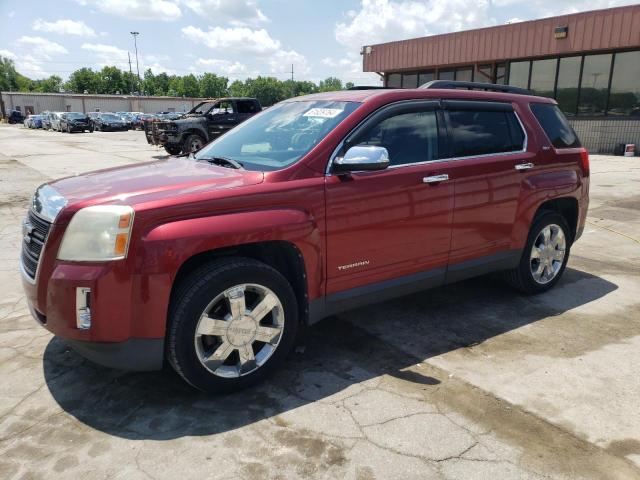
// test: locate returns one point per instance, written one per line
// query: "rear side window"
(246, 106)
(479, 132)
(555, 125)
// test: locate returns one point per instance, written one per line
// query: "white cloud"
(236, 12)
(110, 55)
(64, 27)
(7, 54)
(386, 20)
(107, 54)
(233, 39)
(41, 46)
(281, 61)
(165, 10)
(223, 67)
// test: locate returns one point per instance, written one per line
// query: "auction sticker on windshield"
(323, 112)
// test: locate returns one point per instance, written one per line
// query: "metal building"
(589, 62)
(29, 102)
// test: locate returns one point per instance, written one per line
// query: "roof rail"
(489, 87)
(368, 87)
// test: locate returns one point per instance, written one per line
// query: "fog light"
(83, 308)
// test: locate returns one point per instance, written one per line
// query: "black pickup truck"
(203, 123)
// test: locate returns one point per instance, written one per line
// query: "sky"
(241, 38)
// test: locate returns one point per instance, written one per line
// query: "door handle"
(436, 178)
(524, 166)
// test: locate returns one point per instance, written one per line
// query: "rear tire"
(544, 257)
(231, 323)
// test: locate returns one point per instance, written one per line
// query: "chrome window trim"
(525, 144)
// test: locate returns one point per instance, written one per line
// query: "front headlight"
(97, 234)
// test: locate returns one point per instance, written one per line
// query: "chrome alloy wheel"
(547, 253)
(239, 330)
(195, 145)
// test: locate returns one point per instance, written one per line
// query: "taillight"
(584, 161)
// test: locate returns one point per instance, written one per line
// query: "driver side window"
(408, 137)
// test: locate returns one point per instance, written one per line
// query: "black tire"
(68, 129)
(521, 278)
(191, 299)
(172, 149)
(188, 145)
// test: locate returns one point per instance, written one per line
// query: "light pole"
(135, 43)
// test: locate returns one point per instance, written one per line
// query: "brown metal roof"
(610, 29)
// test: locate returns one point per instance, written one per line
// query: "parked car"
(54, 121)
(322, 203)
(205, 122)
(46, 121)
(126, 118)
(75, 122)
(15, 116)
(33, 121)
(105, 122)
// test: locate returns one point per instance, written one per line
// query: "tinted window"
(567, 90)
(447, 74)
(425, 78)
(410, 80)
(408, 137)
(246, 106)
(482, 132)
(595, 84)
(625, 85)
(484, 73)
(519, 74)
(555, 125)
(501, 73)
(543, 77)
(464, 74)
(394, 80)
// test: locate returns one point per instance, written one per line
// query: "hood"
(152, 181)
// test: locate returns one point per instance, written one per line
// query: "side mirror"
(362, 158)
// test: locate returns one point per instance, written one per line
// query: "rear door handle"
(436, 178)
(524, 166)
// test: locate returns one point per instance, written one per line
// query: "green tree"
(190, 86)
(213, 86)
(10, 79)
(238, 89)
(176, 86)
(83, 80)
(349, 85)
(53, 84)
(330, 84)
(268, 90)
(112, 80)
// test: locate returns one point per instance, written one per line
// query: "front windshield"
(110, 117)
(279, 136)
(75, 115)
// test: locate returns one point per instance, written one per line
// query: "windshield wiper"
(223, 162)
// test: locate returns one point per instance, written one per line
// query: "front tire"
(193, 143)
(232, 322)
(545, 255)
(172, 149)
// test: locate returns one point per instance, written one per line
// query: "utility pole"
(135, 43)
(293, 85)
(130, 75)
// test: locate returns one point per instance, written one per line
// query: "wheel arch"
(567, 207)
(281, 255)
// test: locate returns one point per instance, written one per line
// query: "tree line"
(112, 80)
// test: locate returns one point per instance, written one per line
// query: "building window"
(464, 74)
(484, 74)
(543, 77)
(624, 98)
(519, 74)
(501, 74)
(425, 77)
(410, 80)
(447, 75)
(394, 80)
(594, 85)
(567, 88)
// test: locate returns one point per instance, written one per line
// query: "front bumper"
(120, 336)
(135, 354)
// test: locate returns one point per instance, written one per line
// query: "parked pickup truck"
(205, 122)
(213, 262)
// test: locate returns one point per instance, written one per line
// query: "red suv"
(320, 204)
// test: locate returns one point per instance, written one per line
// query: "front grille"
(35, 234)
